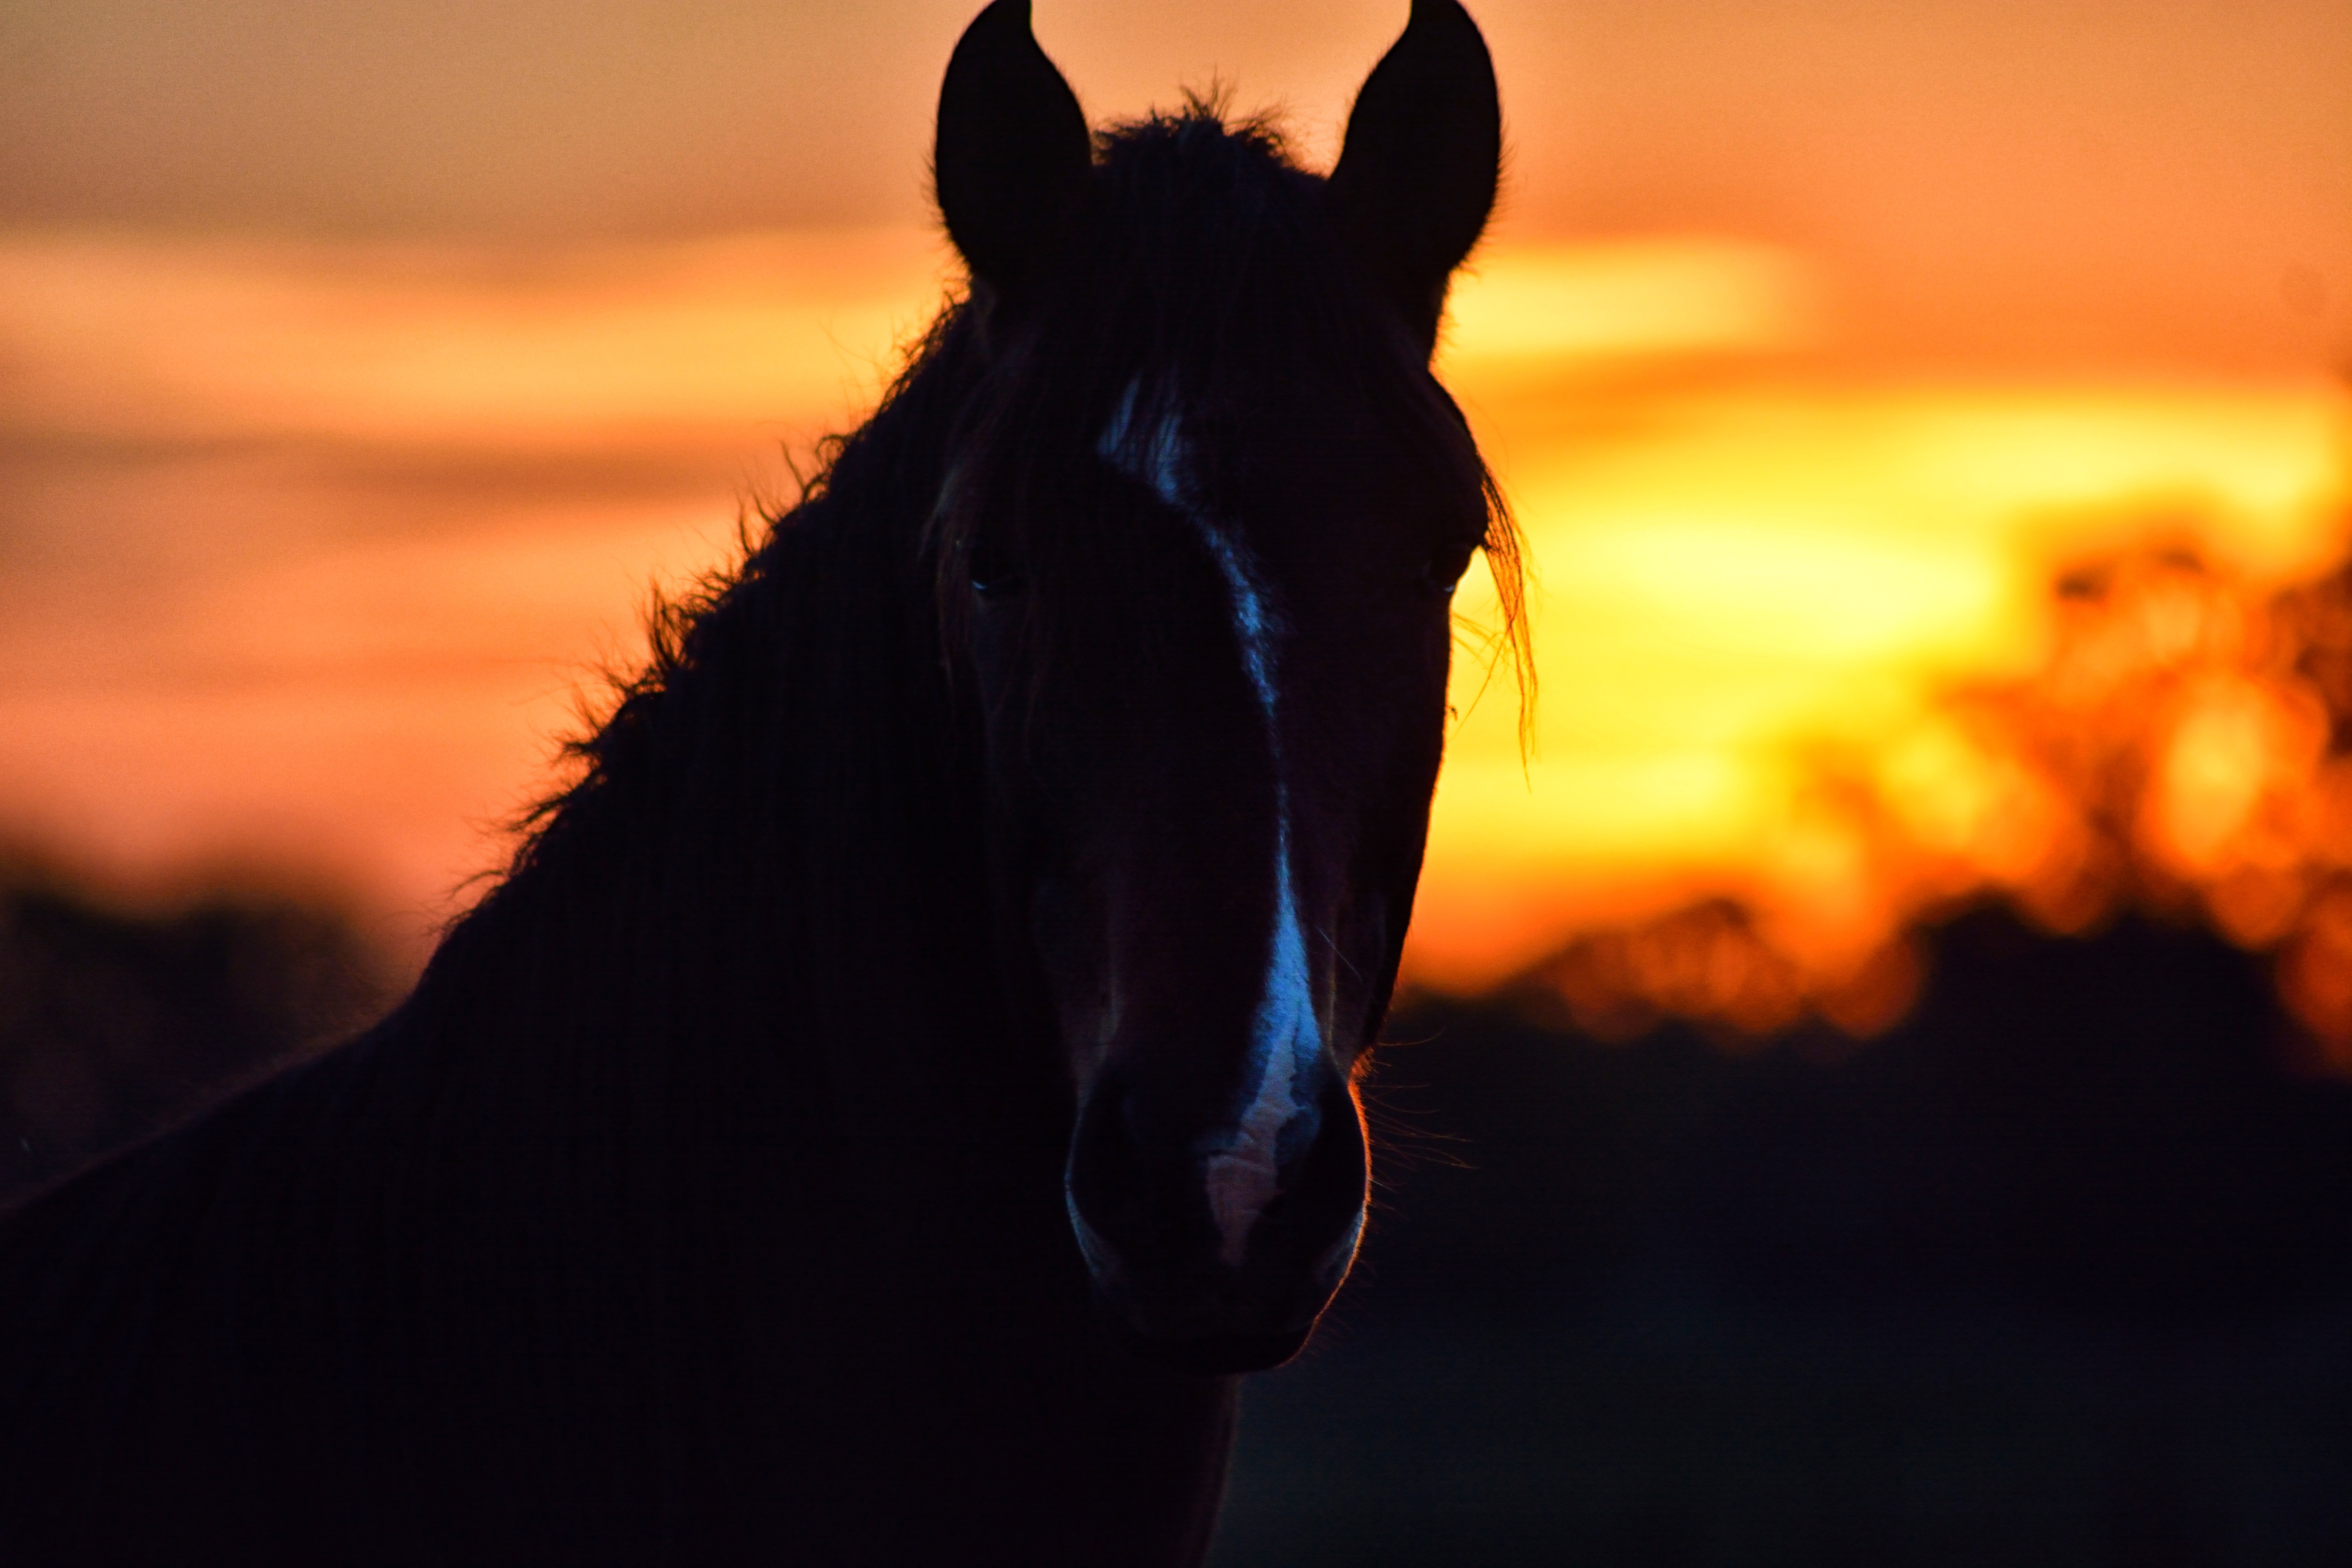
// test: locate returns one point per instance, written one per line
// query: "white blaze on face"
(1242, 1167)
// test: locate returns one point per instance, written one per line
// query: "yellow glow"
(1755, 577)
(1630, 298)
(418, 342)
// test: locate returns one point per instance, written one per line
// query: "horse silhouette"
(910, 1073)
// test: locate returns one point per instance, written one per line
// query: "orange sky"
(2109, 173)
(359, 369)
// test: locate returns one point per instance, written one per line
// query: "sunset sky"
(360, 368)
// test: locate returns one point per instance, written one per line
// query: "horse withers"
(912, 1070)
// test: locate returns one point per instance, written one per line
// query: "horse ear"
(1013, 152)
(1425, 148)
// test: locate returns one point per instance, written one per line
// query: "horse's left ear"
(1416, 176)
(1013, 153)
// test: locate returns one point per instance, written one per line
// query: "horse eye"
(999, 587)
(1447, 564)
(996, 573)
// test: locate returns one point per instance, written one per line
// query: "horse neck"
(769, 890)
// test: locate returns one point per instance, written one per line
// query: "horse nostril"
(1104, 1178)
(1102, 1146)
(1334, 1168)
(1321, 1184)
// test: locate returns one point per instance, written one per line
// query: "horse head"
(1200, 528)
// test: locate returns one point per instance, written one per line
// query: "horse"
(910, 1073)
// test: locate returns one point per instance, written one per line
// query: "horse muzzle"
(1204, 1259)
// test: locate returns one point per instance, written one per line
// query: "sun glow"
(1755, 581)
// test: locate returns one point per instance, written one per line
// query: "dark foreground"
(2058, 1273)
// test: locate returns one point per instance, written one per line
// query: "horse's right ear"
(1013, 152)
(1424, 149)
